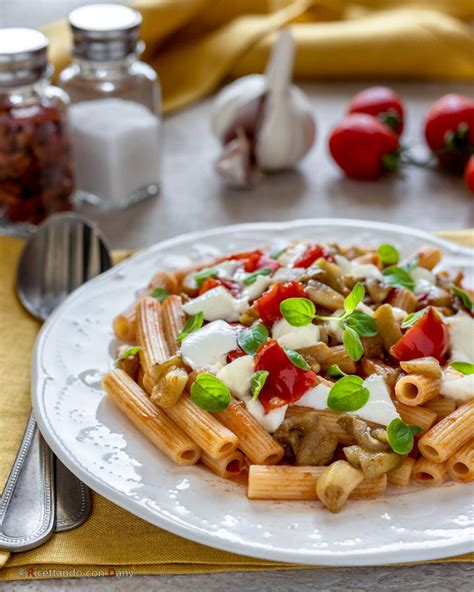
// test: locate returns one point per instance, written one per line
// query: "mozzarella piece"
(365, 270)
(379, 408)
(334, 329)
(269, 421)
(398, 313)
(344, 264)
(292, 254)
(295, 337)
(257, 288)
(207, 347)
(316, 398)
(424, 279)
(226, 269)
(217, 303)
(361, 307)
(457, 386)
(236, 376)
(461, 329)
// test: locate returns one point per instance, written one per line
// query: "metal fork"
(41, 494)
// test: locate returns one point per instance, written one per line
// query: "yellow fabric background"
(195, 44)
(112, 537)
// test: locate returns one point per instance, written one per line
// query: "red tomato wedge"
(312, 253)
(268, 305)
(210, 283)
(429, 336)
(285, 383)
(249, 259)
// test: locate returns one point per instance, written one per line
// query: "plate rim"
(302, 556)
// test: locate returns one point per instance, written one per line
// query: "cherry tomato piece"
(429, 336)
(285, 383)
(266, 261)
(268, 305)
(310, 255)
(210, 283)
(381, 102)
(249, 259)
(364, 147)
(234, 354)
(469, 174)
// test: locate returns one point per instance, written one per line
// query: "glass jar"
(116, 107)
(36, 168)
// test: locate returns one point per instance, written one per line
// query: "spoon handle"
(73, 499)
(27, 505)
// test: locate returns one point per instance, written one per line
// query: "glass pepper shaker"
(36, 168)
(116, 107)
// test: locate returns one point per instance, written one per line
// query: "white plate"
(100, 445)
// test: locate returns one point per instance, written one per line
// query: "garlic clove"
(234, 163)
(278, 72)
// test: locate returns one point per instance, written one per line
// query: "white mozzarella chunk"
(236, 376)
(457, 386)
(292, 254)
(269, 421)
(461, 330)
(398, 313)
(226, 269)
(379, 408)
(257, 288)
(217, 303)
(344, 264)
(365, 270)
(207, 347)
(316, 398)
(334, 329)
(361, 307)
(295, 337)
(424, 280)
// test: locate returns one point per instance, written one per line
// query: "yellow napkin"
(195, 44)
(112, 541)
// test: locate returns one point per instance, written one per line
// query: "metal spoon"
(41, 494)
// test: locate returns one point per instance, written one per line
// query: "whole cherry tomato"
(310, 255)
(469, 174)
(449, 131)
(364, 147)
(285, 383)
(429, 336)
(268, 305)
(381, 102)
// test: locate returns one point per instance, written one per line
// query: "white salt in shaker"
(116, 107)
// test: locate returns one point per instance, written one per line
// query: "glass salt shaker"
(116, 108)
(36, 168)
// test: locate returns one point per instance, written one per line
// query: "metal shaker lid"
(23, 56)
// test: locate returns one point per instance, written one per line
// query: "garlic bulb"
(273, 114)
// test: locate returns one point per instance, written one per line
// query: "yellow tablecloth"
(112, 540)
(195, 44)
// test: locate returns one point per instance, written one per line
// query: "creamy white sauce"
(316, 398)
(236, 376)
(257, 288)
(207, 347)
(457, 386)
(295, 337)
(269, 421)
(217, 303)
(461, 330)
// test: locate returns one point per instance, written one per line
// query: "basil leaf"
(334, 371)
(413, 317)
(400, 436)
(354, 298)
(388, 254)
(210, 393)
(251, 339)
(257, 381)
(465, 298)
(296, 359)
(464, 367)
(362, 323)
(398, 277)
(202, 276)
(250, 279)
(193, 324)
(353, 344)
(160, 294)
(298, 311)
(131, 351)
(348, 394)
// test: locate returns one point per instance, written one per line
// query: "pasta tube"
(419, 416)
(400, 477)
(228, 466)
(416, 389)
(461, 464)
(150, 337)
(174, 319)
(442, 406)
(125, 325)
(404, 299)
(426, 472)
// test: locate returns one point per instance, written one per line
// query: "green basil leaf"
(251, 339)
(257, 381)
(398, 277)
(210, 393)
(400, 436)
(354, 298)
(362, 323)
(298, 311)
(193, 324)
(388, 254)
(411, 319)
(202, 276)
(464, 367)
(131, 351)
(348, 394)
(353, 344)
(335, 371)
(250, 279)
(465, 298)
(296, 359)
(160, 294)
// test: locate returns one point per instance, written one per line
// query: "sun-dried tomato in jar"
(36, 165)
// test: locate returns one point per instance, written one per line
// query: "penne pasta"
(429, 257)
(256, 443)
(400, 477)
(461, 464)
(325, 296)
(228, 466)
(388, 328)
(442, 406)
(128, 364)
(165, 279)
(427, 472)
(416, 389)
(125, 325)
(429, 366)
(404, 299)
(418, 416)
(376, 366)
(174, 319)
(150, 336)
(150, 420)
